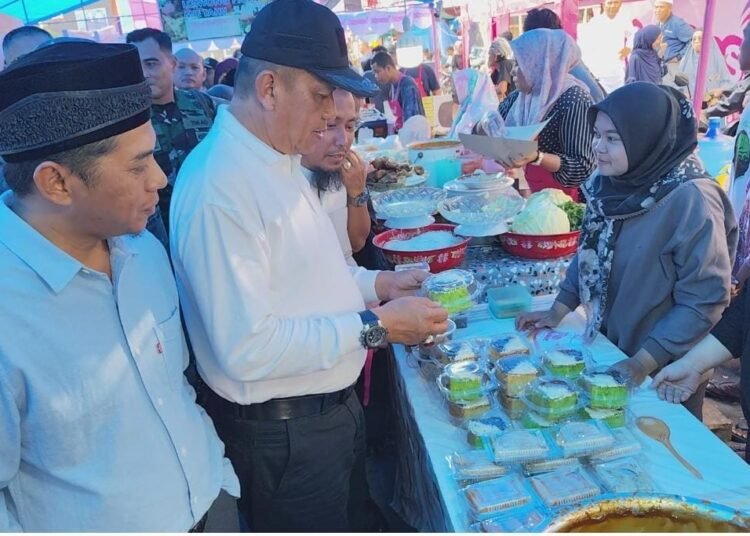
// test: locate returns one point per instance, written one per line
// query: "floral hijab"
(659, 131)
(546, 58)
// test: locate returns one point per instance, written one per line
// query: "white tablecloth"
(428, 498)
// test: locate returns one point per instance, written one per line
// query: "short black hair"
(81, 161)
(24, 31)
(541, 18)
(378, 49)
(383, 60)
(161, 38)
(507, 35)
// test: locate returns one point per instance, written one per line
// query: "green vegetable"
(550, 195)
(542, 218)
(575, 214)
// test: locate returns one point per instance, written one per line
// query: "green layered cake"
(508, 345)
(514, 374)
(553, 399)
(614, 418)
(533, 421)
(605, 391)
(478, 430)
(513, 406)
(568, 363)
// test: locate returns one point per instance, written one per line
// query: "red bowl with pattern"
(438, 259)
(540, 246)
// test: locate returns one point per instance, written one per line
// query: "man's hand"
(542, 319)
(677, 382)
(634, 370)
(354, 174)
(392, 285)
(411, 320)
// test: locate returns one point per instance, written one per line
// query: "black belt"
(282, 409)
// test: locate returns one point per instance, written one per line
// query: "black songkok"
(66, 95)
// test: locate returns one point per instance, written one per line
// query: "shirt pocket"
(172, 347)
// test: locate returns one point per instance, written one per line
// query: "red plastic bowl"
(540, 246)
(438, 259)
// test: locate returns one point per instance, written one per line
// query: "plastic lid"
(448, 280)
(528, 519)
(583, 438)
(547, 466)
(474, 466)
(520, 446)
(517, 365)
(565, 486)
(456, 290)
(493, 496)
(626, 444)
(625, 475)
(553, 398)
(463, 381)
(508, 344)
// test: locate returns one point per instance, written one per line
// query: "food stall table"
(428, 498)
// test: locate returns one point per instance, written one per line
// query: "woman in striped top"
(547, 91)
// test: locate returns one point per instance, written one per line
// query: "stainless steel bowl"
(649, 513)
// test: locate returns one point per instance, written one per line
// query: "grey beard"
(326, 181)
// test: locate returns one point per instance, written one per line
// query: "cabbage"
(541, 218)
(550, 195)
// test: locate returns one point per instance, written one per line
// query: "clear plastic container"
(547, 466)
(465, 410)
(487, 499)
(583, 438)
(458, 350)
(605, 390)
(514, 374)
(624, 475)
(554, 399)
(626, 444)
(474, 466)
(514, 407)
(508, 302)
(565, 362)
(456, 290)
(507, 345)
(565, 486)
(478, 431)
(520, 446)
(464, 381)
(614, 418)
(533, 421)
(530, 518)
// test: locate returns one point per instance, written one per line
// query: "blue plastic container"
(716, 151)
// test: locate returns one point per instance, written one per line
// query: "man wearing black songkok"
(100, 431)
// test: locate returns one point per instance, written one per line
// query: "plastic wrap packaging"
(491, 497)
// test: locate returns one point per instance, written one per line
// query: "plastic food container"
(479, 431)
(568, 363)
(530, 518)
(626, 444)
(514, 374)
(455, 351)
(456, 290)
(625, 475)
(438, 260)
(491, 497)
(519, 446)
(547, 466)
(553, 398)
(463, 410)
(605, 390)
(508, 302)
(507, 345)
(533, 421)
(515, 407)
(583, 438)
(474, 466)
(565, 486)
(463, 381)
(540, 246)
(614, 418)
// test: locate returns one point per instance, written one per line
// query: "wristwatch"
(374, 334)
(360, 200)
(539, 159)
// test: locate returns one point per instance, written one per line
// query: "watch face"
(375, 336)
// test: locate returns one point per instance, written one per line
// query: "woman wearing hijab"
(545, 90)
(645, 63)
(654, 262)
(501, 65)
(717, 73)
(474, 92)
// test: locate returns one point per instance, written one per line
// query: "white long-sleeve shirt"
(601, 40)
(270, 304)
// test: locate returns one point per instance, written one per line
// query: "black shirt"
(733, 331)
(427, 75)
(504, 73)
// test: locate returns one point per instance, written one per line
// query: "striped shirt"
(567, 135)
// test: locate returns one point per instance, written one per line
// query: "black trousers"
(299, 475)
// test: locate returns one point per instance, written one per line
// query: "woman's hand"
(519, 160)
(634, 370)
(542, 319)
(677, 382)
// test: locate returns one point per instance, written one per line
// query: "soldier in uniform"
(181, 118)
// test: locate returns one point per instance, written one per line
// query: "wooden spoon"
(658, 430)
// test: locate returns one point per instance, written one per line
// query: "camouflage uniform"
(179, 126)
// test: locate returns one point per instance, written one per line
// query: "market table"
(427, 497)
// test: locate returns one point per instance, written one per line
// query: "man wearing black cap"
(210, 65)
(276, 317)
(100, 431)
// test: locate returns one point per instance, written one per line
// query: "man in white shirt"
(338, 177)
(100, 430)
(276, 317)
(606, 41)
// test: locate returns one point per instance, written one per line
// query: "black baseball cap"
(309, 36)
(210, 63)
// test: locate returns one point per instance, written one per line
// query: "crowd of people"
(228, 348)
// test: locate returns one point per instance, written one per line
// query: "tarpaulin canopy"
(32, 11)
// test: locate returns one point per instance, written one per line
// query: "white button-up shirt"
(270, 303)
(100, 430)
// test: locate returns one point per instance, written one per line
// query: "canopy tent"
(33, 11)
